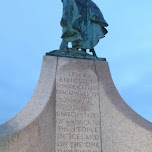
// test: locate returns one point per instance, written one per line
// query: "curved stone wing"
(34, 128)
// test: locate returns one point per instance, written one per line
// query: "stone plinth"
(76, 108)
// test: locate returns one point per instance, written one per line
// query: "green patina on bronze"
(72, 53)
(83, 24)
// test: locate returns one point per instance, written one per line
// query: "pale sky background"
(29, 28)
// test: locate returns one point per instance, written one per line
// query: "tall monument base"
(76, 108)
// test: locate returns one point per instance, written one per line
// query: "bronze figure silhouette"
(83, 25)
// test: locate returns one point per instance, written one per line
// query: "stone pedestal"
(76, 108)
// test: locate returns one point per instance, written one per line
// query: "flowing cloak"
(83, 23)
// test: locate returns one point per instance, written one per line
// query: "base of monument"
(70, 53)
(76, 108)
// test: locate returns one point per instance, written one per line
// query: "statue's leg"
(93, 51)
(64, 45)
(75, 46)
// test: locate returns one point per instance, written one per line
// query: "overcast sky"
(29, 28)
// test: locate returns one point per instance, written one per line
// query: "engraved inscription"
(77, 112)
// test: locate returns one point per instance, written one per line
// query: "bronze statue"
(83, 25)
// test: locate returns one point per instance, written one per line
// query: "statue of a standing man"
(83, 25)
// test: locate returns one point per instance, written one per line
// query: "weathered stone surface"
(122, 129)
(76, 108)
(33, 129)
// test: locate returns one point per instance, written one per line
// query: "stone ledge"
(70, 53)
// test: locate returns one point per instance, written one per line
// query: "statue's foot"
(74, 48)
(84, 50)
(63, 49)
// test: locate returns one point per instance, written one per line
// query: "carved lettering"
(76, 80)
(71, 136)
(76, 93)
(77, 113)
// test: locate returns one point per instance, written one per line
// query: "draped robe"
(83, 23)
